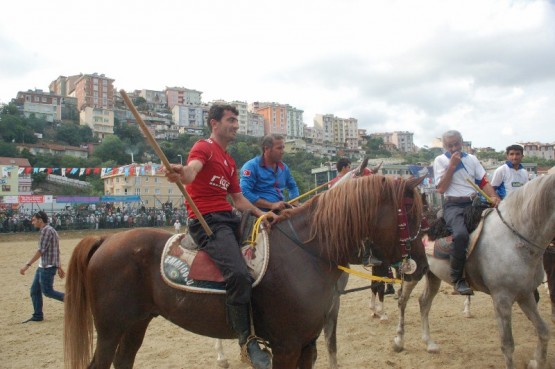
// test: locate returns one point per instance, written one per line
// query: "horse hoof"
(532, 364)
(467, 314)
(398, 344)
(433, 348)
(384, 318)
(223, 364)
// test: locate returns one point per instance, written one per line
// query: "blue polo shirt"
(259, 181)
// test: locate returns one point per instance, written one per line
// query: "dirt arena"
(363, 342)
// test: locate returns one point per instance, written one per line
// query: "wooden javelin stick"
(164, 160)
(308, 192)
(479, 190)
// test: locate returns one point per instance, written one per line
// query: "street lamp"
(180, 159)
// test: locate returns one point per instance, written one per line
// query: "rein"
(516, 233)
(301, 245)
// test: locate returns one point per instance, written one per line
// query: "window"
(137, 191)
(157, 191)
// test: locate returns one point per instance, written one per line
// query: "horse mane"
(533, 201)
(348, 213)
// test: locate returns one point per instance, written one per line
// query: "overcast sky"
(486, 68)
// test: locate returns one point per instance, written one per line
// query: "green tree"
(8, 149)
(37, 179)
(73, 135)
(112, 149)
(375, 148)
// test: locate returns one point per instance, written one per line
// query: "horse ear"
(363, 165)
(377, 168)
(412, 182)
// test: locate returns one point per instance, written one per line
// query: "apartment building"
(92, 90)
(403, 140)
(100, 120)
(155, 100)
(41, 148)
(335, 130)
(275, 116)
(539, 150)
(144, 180)
(190, 115)
(182, 96)
(294, 121)
(11, 182)
(43, 105)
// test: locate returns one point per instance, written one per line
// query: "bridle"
(516, 233)
(405, 238)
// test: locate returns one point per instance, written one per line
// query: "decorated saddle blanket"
(185, 267)
(440, 248)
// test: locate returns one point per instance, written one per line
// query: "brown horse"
(114, 282)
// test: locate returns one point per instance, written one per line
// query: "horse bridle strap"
(516, 233)
(299, 243)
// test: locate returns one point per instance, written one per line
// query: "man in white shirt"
(451, 171)
(512, 174)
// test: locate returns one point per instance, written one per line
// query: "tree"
(112, 148)
(72, 134)
(8, 150)
(375, 148)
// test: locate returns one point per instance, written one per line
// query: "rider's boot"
(457, 276)
(251, 353)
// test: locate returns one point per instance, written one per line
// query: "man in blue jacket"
(265, 177)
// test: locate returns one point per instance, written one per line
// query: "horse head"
(375, 208)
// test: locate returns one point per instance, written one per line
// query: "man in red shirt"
(210, 175)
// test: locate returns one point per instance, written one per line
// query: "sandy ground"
(363, 342)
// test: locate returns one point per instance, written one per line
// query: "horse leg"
(330, 326)
(308, 356)
(503, 310)
(406, 290)
(106, 345)
(130, 344)
(222, 359)
(425, 301)
(530, 309)
(466, 310)
(381, 311)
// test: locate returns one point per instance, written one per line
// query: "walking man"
(49, 254)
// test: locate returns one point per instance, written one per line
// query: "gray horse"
(506, 263)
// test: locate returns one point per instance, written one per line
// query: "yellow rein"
(256, 227)
(369, 276)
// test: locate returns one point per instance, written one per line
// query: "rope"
(369, 276)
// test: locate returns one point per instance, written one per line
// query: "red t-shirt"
(217, 178)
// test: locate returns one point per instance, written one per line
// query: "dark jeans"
(453, 213)
(224, 249)
(43, 283)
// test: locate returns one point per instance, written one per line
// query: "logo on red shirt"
(247, 173)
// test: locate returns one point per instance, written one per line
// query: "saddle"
(186, 267)
(437, 240)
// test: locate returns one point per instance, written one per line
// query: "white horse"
(506, 263)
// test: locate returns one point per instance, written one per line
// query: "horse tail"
(78, 319)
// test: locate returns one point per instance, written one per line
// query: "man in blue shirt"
(265, 177)
(512, 174)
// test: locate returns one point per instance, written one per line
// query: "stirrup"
(462, 287)
(262, 344)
